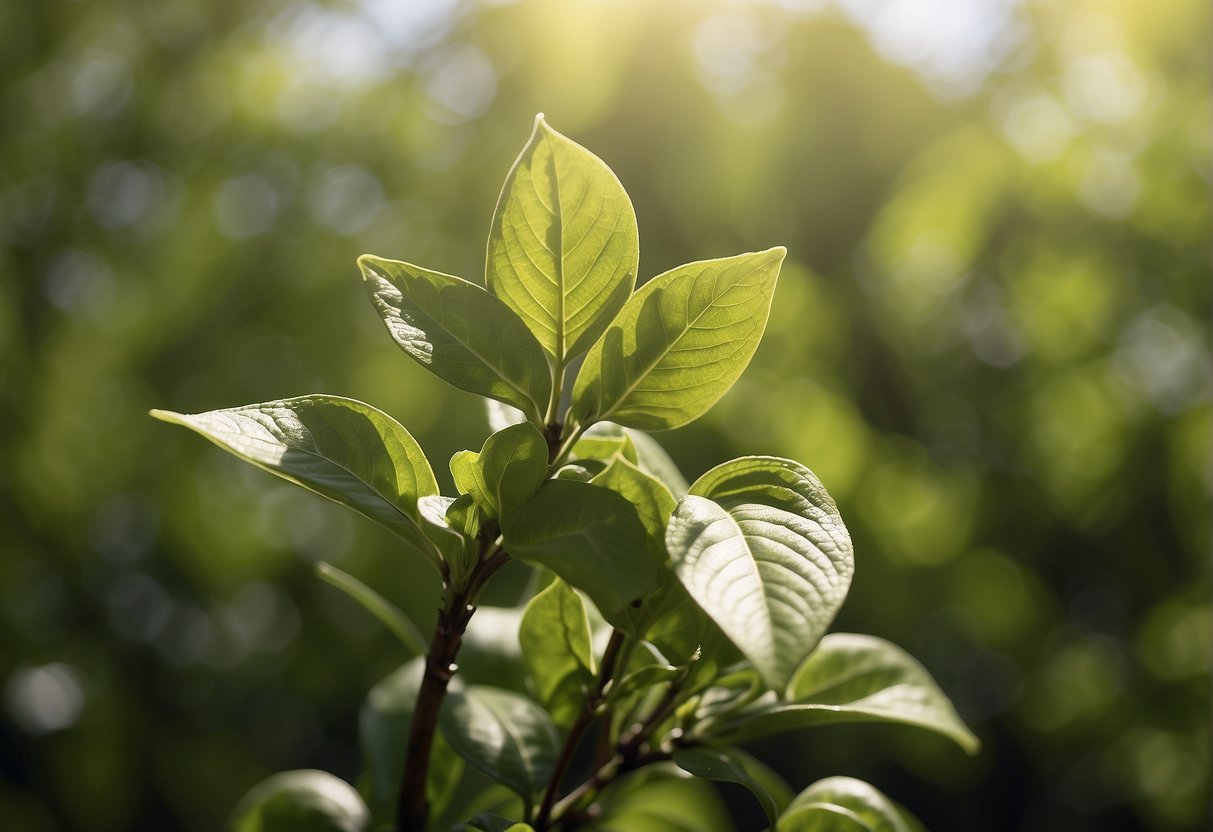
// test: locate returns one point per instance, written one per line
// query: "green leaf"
(732, 765)
(662, 799)
(492, 823)
(679, 343)
(760, 546)
(653, 501)
(556, 644)
(383, 731)
(460, 332)
(301, 801)
(491, 653)
(339, 448)
(592, 538)
(451, 523)
(503, 735)
(644, 678)
(858, 678)
(654, 461)
(509, 468)
(563, 248)
(374, 603)
(844, 804)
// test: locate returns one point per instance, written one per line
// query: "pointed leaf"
(509, 468)
(844, 804)
(301, 801)
(654, 461)
(563, 248)
(460, 332)
(653, 501)
(374, 603)
(679, 343)
(503, 735)
(383, 731)
(732, 765)
(858, 678)
(555, 638)
(592, 538)
(339, 448)
(759, 545)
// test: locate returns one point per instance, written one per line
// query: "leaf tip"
(164, 415)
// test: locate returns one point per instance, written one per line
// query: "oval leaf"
(563, 248)
(858, 678)
(844, 804)
(339, 448)
(679, 343)
(462, 333)
(556, 644)
(509, 468)
(592, 538)
(301, 801)
(759, 545)
(503, 735)
(732, 765)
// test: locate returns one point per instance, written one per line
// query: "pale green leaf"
(563, 248)
(383, 731)
(460, 332)
(858, 678)
(374, 603)
(504, 735)
(679, 343)
(301, 801)
(844, 804)
(592, 538)
(732, 765)
(556, 644)
(451, 524)
(510, 467)
(760, 546)
(339, 448)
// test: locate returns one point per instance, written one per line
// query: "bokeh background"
(990, 341)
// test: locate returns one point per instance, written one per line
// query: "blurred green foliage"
(990, 343)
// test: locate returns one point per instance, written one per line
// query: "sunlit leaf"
(509, 468)
(732, 765)
(504, 735)
(679, 343)
(563, 248)
(302, 801)
(451, 524)
(460, 332)
(339, 448)
(760, 546)
(653, 501)
(844, 804)
(555, 638)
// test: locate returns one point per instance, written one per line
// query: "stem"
(578, 731)
(413, 806)
(560, 452)
(557, 392)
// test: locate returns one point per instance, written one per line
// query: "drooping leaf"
(760, 546)
(732, 765)
(844, 804)
(509, 468)
(563, 248)
(653, 501)
(301, 801)
(592, 538)
(555, 638)
(679, 343)
(460, 332)
(662, 798)
(339, 448)
(504, 735)
(374, 603)
(858, 678)
(383, 731)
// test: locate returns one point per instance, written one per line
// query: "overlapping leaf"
(508, 470)
(555, 638)
(340, 448)
(679, 343)
(844, 804)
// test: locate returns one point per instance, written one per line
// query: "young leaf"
(654, 461)
(759, 544)
(732, 765)
(460, 332)
(383, 731)
(509, 468)
(555, 637)
(592, 538)
(450, 523)
(679, 343)
(563, 248)
(858, 678)
(844, 804)
(503, 735)
(301, 801)
(374, 603)
(339, 448)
